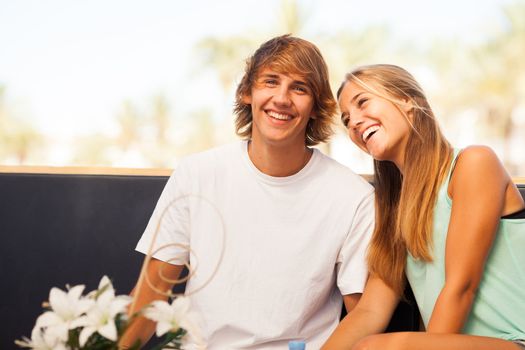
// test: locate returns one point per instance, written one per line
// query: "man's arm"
(141, 328)
(351, 301)
(370, 316)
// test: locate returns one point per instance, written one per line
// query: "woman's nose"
(355, 121)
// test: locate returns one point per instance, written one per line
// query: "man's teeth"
(279, 116)
(368, 132)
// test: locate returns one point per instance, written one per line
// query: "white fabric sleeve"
(169, 223)
(352, 266)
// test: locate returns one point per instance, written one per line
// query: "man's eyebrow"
(269, 75)
(301, 82)
(276, 76)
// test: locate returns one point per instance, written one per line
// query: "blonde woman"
(451, 221)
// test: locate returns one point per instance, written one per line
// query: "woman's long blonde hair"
(404, 202)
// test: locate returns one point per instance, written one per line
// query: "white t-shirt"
(291, 246)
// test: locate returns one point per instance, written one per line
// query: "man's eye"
(271, 82)
(301, 89)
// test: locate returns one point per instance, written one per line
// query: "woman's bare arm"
(371, 315)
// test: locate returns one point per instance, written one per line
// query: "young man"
(277, 231)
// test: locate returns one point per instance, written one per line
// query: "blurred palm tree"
(201, 133)
(451, 64)
(142, 138)
(346, 49)
(93, 149)
(3, 111)
(130, 123)
(225, 55)
(292, 17)
(19, 141)
(160, 118)
(483, 84)
(499, 79)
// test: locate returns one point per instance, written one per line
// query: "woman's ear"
(407, 106)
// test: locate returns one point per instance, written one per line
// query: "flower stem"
(170, 337)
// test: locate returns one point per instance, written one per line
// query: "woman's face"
(375, 124)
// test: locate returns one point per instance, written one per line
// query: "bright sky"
(69, 64)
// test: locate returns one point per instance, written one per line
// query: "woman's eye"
(271, 82)
(345, 119)
(361, 102)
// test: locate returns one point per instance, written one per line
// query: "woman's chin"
(375, 153)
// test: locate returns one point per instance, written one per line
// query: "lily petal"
(105, 281)
(48, 318)
(58, 301)
(82, 321)
(75, 292)
(119, 305)
(85, 334)
(59, 331)
(162, 328)
(109, 331)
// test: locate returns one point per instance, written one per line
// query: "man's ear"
(247, 99)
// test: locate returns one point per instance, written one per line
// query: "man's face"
(281, 106)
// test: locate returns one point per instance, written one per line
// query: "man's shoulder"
(216, 156)
(342, 175)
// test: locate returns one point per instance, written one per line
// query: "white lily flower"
(65, 308)
(97, 313)
(193, 339)
(168, 316)
(104, 285)
(41, 340)
(100, 317)
(171, 317)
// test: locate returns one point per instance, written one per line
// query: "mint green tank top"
(499, 306)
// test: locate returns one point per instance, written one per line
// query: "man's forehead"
(276, 72)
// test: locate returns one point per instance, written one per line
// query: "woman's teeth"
(368, 132)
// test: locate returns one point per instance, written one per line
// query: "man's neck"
(279, 161)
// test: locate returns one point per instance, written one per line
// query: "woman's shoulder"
(478, 153)
(477, 158)
(478, 164)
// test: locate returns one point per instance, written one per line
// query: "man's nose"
(282, 96)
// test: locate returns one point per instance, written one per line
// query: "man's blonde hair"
(290, 55)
